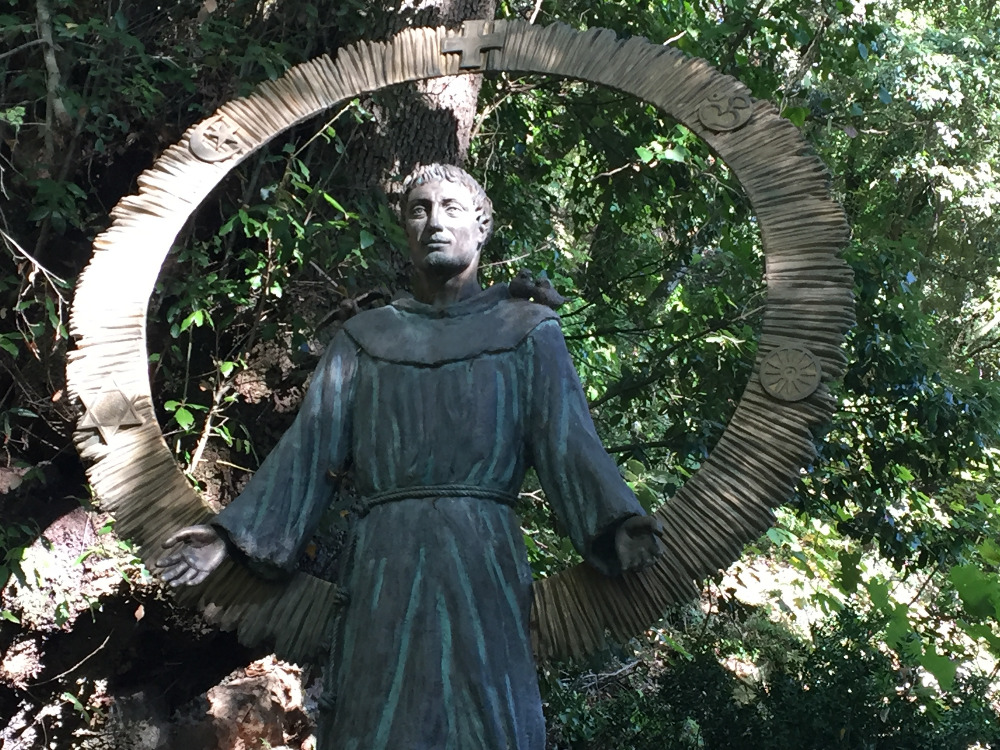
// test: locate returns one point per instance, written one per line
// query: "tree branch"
(629, 447)
(206, 433)
(613, 332)
(981, 348)
(55, 108)
(20, 47)
(623, 387)
(748, 27)
(534, 13)
(805, 60)
(19, 252)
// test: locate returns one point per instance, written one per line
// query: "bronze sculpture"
(440, 403)
(725, 504)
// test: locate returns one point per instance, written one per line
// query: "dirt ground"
(95, 655)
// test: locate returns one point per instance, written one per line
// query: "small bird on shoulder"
(538, 289)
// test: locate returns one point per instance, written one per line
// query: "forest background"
(865, 619)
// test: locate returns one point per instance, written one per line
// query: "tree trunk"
(425, 122)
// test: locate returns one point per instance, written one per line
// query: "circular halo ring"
(725, 504)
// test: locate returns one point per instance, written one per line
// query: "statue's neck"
(445, 292)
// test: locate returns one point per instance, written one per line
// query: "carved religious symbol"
(215, 140)
(790, 373)
(108, 411)
(724, 111)
(476, 40)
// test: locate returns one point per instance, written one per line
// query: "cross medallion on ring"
(477, 39)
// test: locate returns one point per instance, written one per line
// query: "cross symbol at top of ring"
(475, 41)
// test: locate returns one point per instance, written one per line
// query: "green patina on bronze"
(724, 505)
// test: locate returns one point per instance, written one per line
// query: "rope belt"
(433, 491)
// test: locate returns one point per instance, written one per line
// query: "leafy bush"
(844, 690)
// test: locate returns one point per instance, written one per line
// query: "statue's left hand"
(636, 542)
(194, 552)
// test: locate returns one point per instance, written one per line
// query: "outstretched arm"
(268, 525)
(581, 482)
(271, 521)
(192, 553)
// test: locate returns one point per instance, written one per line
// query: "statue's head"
(449, 173)
(447, 217)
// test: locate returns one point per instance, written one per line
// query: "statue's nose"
(434, 218)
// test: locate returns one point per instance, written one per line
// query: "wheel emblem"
(790, 373)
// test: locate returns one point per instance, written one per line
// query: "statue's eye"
(453, 210)
(417, 211)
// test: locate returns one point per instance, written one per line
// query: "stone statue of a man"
(440, 403)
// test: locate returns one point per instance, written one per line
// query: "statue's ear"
(483, 235)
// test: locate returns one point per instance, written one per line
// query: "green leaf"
(780, 536)
(184, 418)
(850, 573)
(879, 592)
(942, 667)
(330, 199)
(797, 115)
(645, 154)
(899, 628)
(990, 552)
(863, 50)
(984, 631)
(367, 239)
(979, 591)
(800, 561)
(646, 497)
(50, 309)
(6, 614)
(171, 405)
(196, 318)
(635, 467)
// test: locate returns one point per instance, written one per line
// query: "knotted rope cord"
(365, 505)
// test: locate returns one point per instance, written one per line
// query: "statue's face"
(442, 228)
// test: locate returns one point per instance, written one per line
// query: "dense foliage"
(893, 532)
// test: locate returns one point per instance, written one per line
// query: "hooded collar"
(477, 303)
(414, 333)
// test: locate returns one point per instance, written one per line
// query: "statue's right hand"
(193, 553)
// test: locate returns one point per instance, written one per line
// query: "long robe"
(433, 651)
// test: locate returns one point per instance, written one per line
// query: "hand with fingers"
(636, 542)
(193, 553)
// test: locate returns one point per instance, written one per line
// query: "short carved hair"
(436, 172)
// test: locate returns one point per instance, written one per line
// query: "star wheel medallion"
(108, 411)
(790, 373)
(216, 139)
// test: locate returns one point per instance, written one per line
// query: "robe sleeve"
(273, 518)
(580, 480)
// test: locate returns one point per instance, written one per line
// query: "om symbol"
(723, 111)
